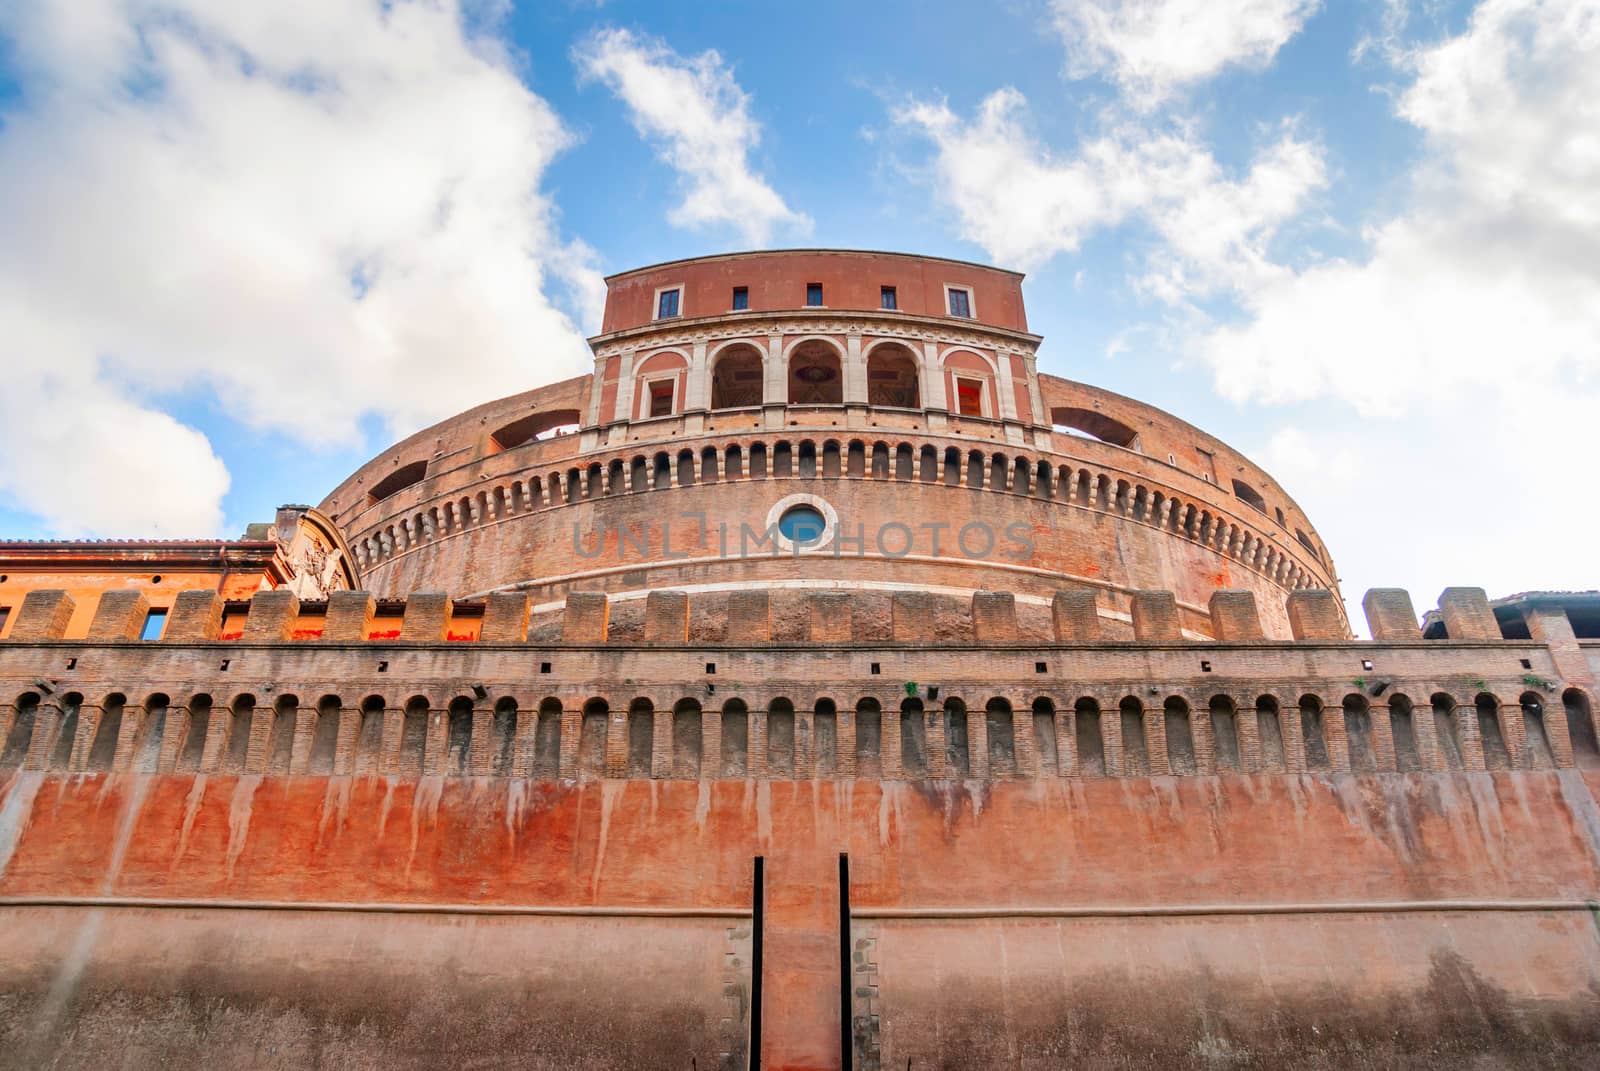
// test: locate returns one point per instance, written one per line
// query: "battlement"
(747, 618)
(430, 687)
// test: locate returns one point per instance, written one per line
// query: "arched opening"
(1249, 496)
(735, 739)
(1135, 749)
(869, 738)
(70, 707)
(398, 481)
(547, 740)
(814, 374)
(737, 378)
(913, 738)
(1316, 744)
(686, 739)
(19, 738)
(103, 746)
(1269, 731)
(1446, 731)
(825, 737)
(892, 377)
(1539, 753)
(191, 752)
(1358, 734)
(1089, 424)
(235, 751)
(411, 761)
(535, 426)
(369, 742)
(1086, 734)
(1580, 726)
(502, 738)
(1403, 730)
(641, 737)
(1224, 734)
(958, 757)
(592, 739)
(1044, 735)
(1180, 736)
(856, 459)
(280, 740)
(324, 737)
(1002, 734)
(780, 738)
(458, 737)
(1496, 756)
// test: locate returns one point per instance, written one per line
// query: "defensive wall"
(404, 850)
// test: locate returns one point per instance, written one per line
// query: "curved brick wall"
(1044, 484)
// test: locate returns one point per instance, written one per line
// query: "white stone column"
(1030, 364)
(855, 371)
(930, 378)
(1003, 387)
(777, 372)
(623, 410)
(697, 392)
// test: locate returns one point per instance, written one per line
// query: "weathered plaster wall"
(1175, 921)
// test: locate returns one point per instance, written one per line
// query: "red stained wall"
(850, 280)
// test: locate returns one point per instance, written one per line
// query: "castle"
(813, 685)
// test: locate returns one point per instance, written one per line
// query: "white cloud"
(699, 117)
(318, 210)
(1024, 204)
(1154, 48)
(1490, 280)
(1467, 338)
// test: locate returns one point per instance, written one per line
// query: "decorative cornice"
(727, 326)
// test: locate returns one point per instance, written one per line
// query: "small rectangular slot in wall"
(544, 667)
(758, 904)
(711, 667)
(876, 668)
(1041, 667)
(846, 1047)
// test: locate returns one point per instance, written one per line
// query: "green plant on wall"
(911, 689)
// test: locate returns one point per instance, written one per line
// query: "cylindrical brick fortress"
(882, 409)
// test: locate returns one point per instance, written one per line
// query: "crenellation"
(349, 617)
(1155, 616)
(1467, 615)
(1314, 615)
(43, 616)
(272, 616)
(120, 615)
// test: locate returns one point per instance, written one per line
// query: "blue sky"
(245, 249)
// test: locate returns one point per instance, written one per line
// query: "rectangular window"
(154, 622)
(741, 298)
(814, 294)
(886, 298)
(960, 302)
(667, 304)
(969, 393)
(661, 398)
(5, 615)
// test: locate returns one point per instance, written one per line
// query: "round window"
(803, 525)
